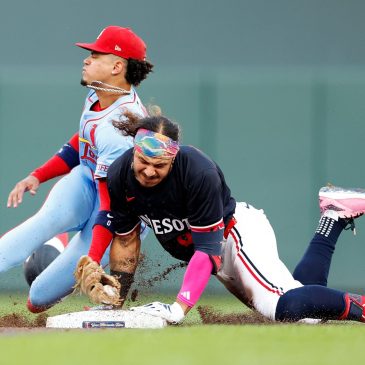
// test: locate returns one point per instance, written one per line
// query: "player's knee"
(289, 307)
(38, 299)
(36, 296)
(39, 260)
(36, 308)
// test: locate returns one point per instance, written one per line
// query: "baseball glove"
(92, 280)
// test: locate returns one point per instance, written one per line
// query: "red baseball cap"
(119, 41)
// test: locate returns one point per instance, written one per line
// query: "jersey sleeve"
(70, 152)
(124, 221)
(205, 211)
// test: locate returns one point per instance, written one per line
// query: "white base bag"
(105, 319)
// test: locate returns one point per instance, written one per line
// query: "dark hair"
(131, 123)
(137, 71)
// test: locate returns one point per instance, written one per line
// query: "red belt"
(229, 226)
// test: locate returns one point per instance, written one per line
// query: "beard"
(83, 82)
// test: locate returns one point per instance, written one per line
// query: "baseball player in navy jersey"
(182, 195)
(79, 201)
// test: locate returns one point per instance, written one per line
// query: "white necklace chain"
(109, 88)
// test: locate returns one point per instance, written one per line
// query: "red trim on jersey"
(251, 270)
(96, 107)
(211, 228)
(74, 142)
(54, 167)
(229, 227)
(92, 134)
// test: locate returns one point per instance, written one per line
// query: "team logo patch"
(186, 294)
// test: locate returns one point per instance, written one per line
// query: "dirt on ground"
(210, 316)
(15, 320)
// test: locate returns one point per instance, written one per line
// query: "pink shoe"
(347, 203)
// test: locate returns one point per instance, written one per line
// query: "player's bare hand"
(30, 183)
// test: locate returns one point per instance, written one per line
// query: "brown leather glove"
(92, 281)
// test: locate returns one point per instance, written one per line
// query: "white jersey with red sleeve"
(100, 143)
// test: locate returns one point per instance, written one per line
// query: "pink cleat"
(347, 203)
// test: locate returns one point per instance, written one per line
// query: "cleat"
(351, 225)
(354, 307)
(347, 203)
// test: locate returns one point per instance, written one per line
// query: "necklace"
(109, 88)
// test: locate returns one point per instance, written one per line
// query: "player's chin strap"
(108, 88)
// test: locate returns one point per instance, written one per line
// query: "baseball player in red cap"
(119, 41)
(79, 202)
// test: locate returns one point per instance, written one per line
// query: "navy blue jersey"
(188, 210)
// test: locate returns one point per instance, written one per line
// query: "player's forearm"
(124, 252)
(196, 278)
(124, 257)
